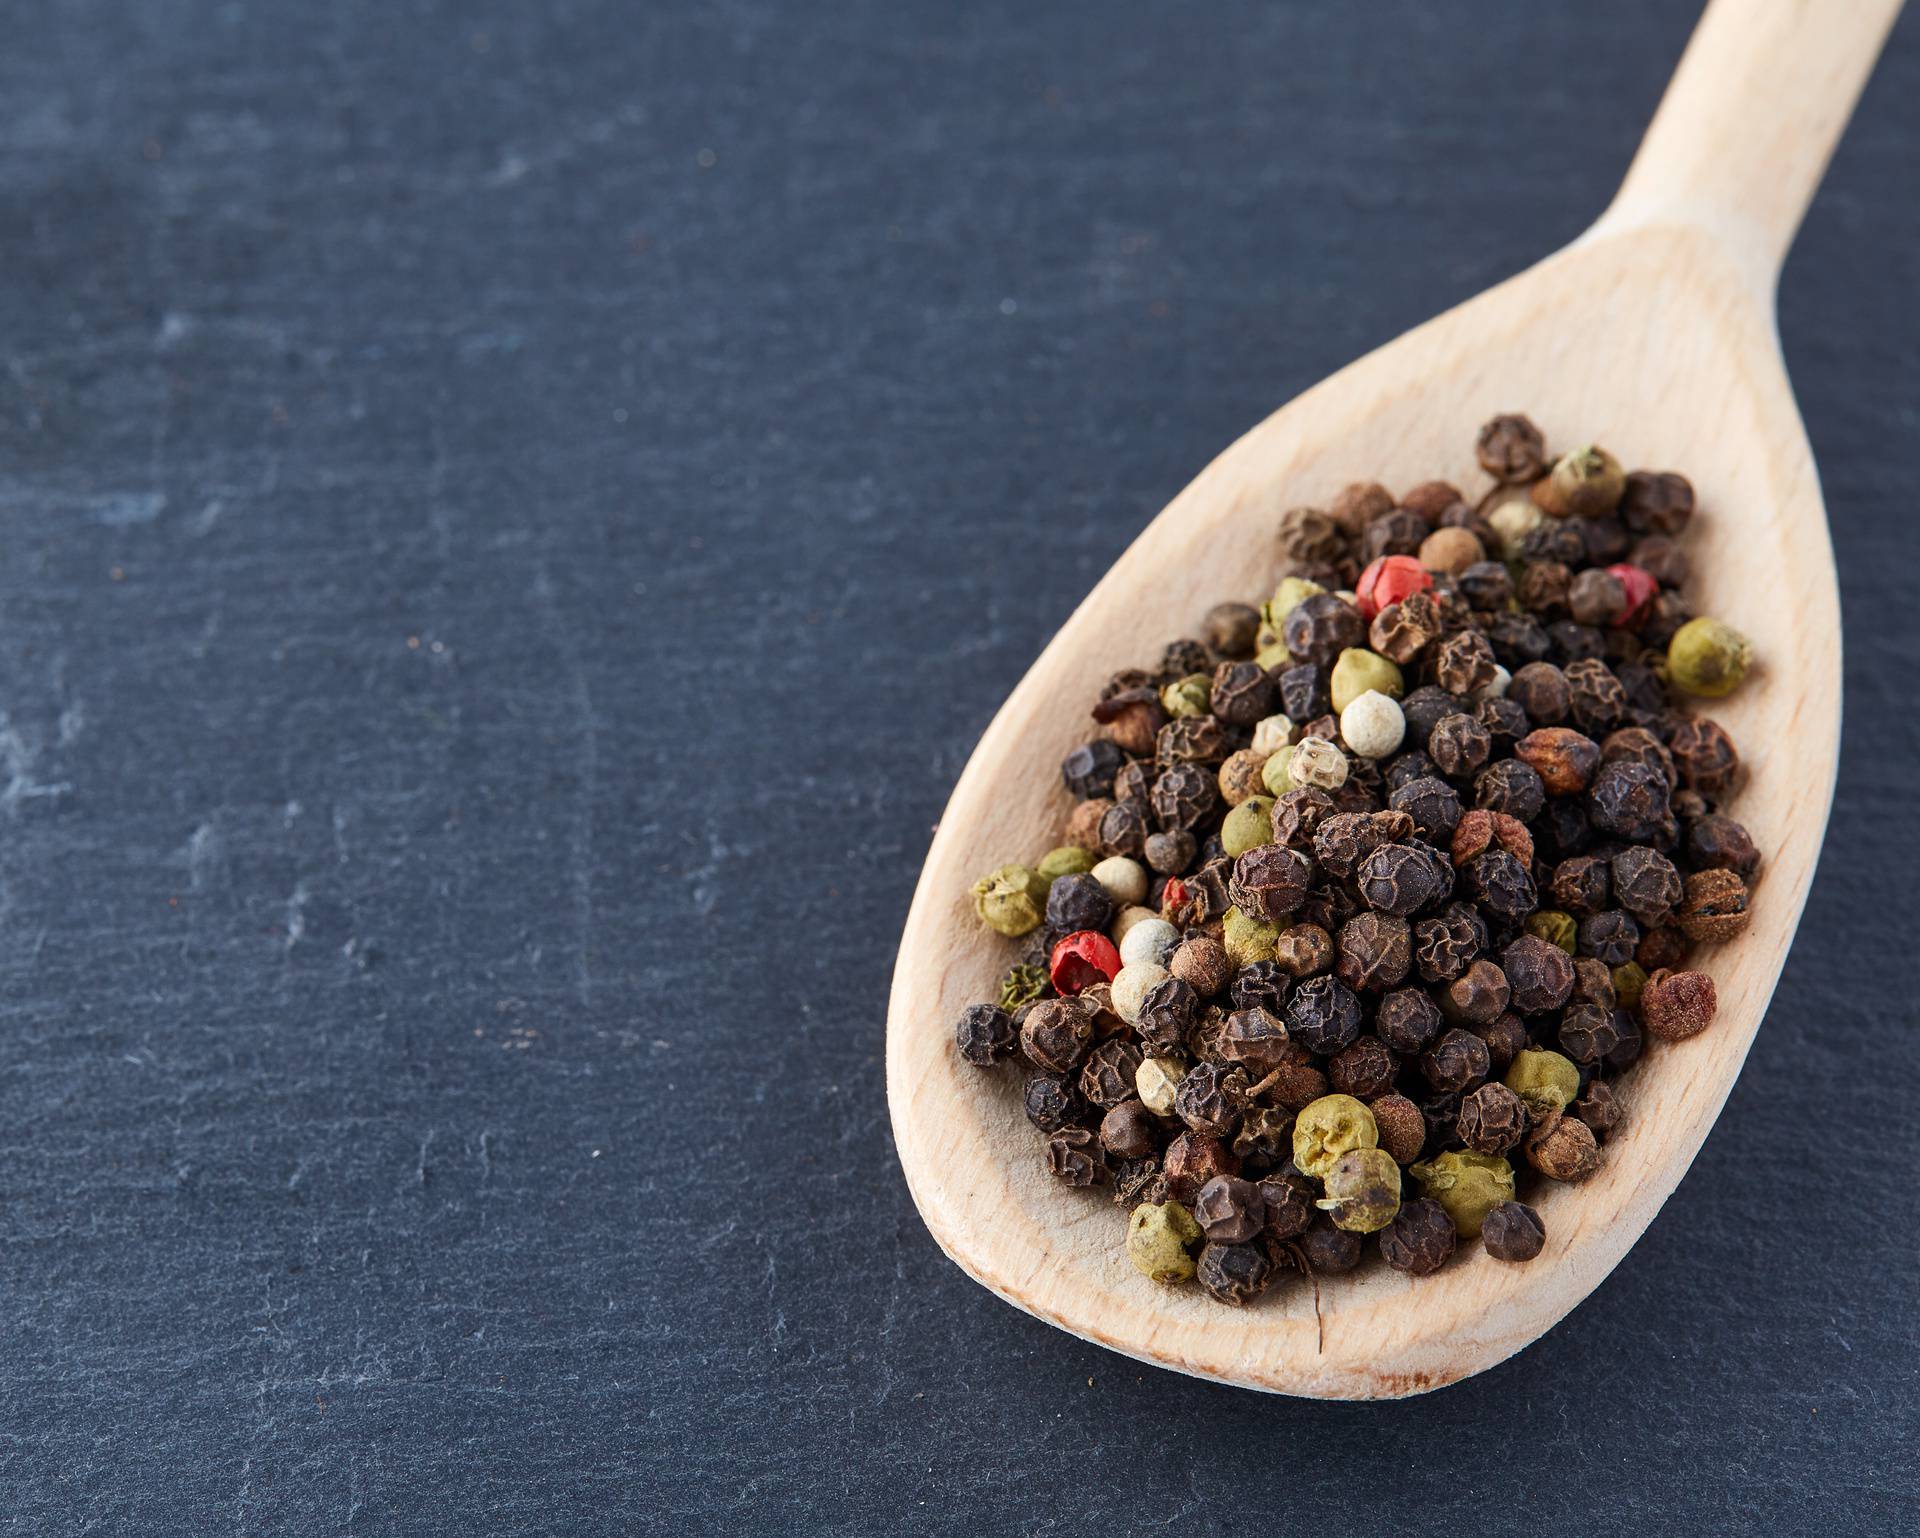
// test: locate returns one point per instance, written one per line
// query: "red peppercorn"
(1081, 960)
(1387, 581)
(1641, 591)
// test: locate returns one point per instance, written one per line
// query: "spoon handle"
(1746, 127)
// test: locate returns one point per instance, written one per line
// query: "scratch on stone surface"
(18, 755)
(205, 851)
(73, 721)
(421, 1172)
(203, 521)
(587, 767)
(297, 913)
(486, 1157)
(125, 509)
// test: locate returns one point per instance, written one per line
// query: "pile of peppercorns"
(1370, 893)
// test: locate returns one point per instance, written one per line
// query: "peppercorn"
(1492, 1120)
(1482, 829)
(1458, 1060)
(1201, 963)
(1081, 959)
(1717, 842)
(1596, 699)
(1538, 973)
(1286, 1201)
(1234, 1274)
(1323, 1016)
(1511, 449)
(1704, 757)
(1402, 879)
(1586, 483)
(1050, 1102)
(1074, 1157)
(1247, 826)
(1467, 1185)
(1131, 987)
(1541, 690)
(1628, 980)
(1315, 763)
(1156, 1080)
(1241, 693)
(1269, 882)
(1394, 535)
(1676, 1005)
(1599, 1108)
(1708, 658)
(1373, 951)
(1465, 663)
(1364, 1068)
(1161, 1239)
(1230, 628)
(1662, 947)
(1240, 775)
(1022, 984)
(1318, 630)
(1630, 802)
(1372, 725)
(1138, 1180)
(1444, 945)
(1130, 1131)
(1543, 587)
(1010, 900)
(1420, 1239)
(1646, 884)
(1564, 1149)
(1433, 806)
(1513, 1232)
(1328, 1128)
(1588, 1032)
(1089, 769)
(1229, 1210)
(1107, 1076)
(1194, 1158)
(1511, 787)
(1303, 950)
(1500, 884)
(1546, 1081)
(984, 1035)
(1451, 549)
(1363, 1190)
(1246, 938)
(1359, 504)
(1610, 936)
(1169, 853)
(1557, 928)
(1459, 745)
(1565, 760)
(1123, 830)
(1150, 940)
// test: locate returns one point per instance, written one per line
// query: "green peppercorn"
(1628, 979)
(1011, 900)
(1708, 658)
(1189, 696)
(1274, 773)
(1363, 1190)
(1469, 1185)
(1161, 1240)
(1328, 1127)
(1511, 522)
(1587, 483)
(1022, 985)
(1248, 826)
(1067, 860)
(1357, 670)
(1288, 596)
(1545, 1080)
(1247, 940)
(1555, 927)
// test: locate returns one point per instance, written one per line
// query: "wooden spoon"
(1652, 334)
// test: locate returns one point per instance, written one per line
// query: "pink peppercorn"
(1387, 581)
(1081, 960)
(1641, 590)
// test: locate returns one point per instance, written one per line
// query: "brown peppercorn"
(1123, 830)
(1304, 950)
(1364, 1068)
(1132, 719)
(1229, 1210)
(1444, 944)
(1486, 586)
(1360, 504)
(1167, 1014)
(1083, 827)
(1254, 1038)
(1420, 1239)
(1506, 1039)
(1456, 1062)
(1704, 757)
(1201, 963)
(1298, 814)
(1373, 952)
(1130, 1131)
(1402, 631)
(1597, 597)
(1676, 1005)
(1539, 974)
(1192, 1160)
(1451, 549)
(1637, 745)
(1183, 796)
(1234, 1274)
(1407, 1020)
(1056, 1035)
(1430, 499)
(1321, 628)
(1242, 693)
(1565, 760)
(1465, 663)
(1307, 534)
(1073, 1155)
(1478, 995)
(1662, 559)
(1646, 884)
(1599, 1108)
(1183, 658)
(1717, 842)
(1211, 1099)
(1656, 502)
(1106, 1078)
(1543, 586)
(1240, 776)
(1232, 629)
(1593, 981)
(1402, 1129)
(1713, 908)
(1169, 853)
(1481, 829)
(1459, 745)
(1611, 936)
(1511, 449)
(1269, 882)
(1564, 1149)
(1137, 1181)
(1540, 689)
(1329, 1251)
(1581, 885)
(1492, 1119)
(1132, 783)
(1287, 1199)
(1589, 1031)
(1513, 1232)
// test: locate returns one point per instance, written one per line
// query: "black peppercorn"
(1194, 1158)
(1183, 796)
(984, 1035)
(1432, 804)
(1717, 842)
(1581, 885)
(1322, 627)
(1254, 1038)
(1372, 952)
(1329, 1250)
(1106, 1078)
(1232, 629)
(1167, 1014)
(1364, 1068)
(1539, 974)
(1540, 689)
(1506, 1039)
(1500, 884)
(1587, 1032)
(1078, 902)
(1242, 693)
(1656, 502)
(1287, 1199)
(1646, 883)
(1407, 1019)
(1511, 449)
(1123, 830)
(1234, 1274)
(1478, 995)
(1183, 658)
(1265, 1137)
(1402, 879)
(1459, 745)
(1050, 1102)
(1511, 787)
(1211, 1098)
(1492, 1120)
(1170, 853)
(1445, 944)
(1074, 1156)
(1405, 769)
(1270, 881)
(1611, 936)
(1055, 1034)
(1596, 699)
(1424, 709)
(1089, 769)
(1420, 1238)
(1323, 1015)
(1704, 757)
(1513, 1232)
(1304, 691)
(1465, 663)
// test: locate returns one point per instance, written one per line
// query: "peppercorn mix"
(1368, 896)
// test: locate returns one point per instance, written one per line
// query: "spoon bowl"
(1653, 335)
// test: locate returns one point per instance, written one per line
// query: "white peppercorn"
(1372, 725)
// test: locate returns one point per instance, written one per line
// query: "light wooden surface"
(1653, 335)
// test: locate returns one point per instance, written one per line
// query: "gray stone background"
(511, 519)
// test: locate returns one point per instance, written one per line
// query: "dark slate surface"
(513, 519)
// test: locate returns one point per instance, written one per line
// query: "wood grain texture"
(1654, 338)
